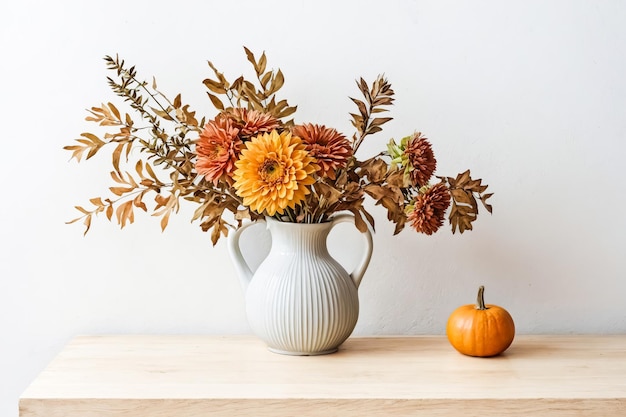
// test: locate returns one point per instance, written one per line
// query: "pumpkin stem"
(480, 300)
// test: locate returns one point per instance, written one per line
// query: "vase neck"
(297, 237)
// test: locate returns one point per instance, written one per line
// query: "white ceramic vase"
(300, 300)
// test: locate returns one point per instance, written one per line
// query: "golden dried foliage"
(464, 191)
(152, 148)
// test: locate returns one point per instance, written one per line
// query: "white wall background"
(531, 95)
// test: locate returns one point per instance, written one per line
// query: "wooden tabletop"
(189, 376)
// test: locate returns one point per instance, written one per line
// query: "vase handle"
(360, 269)
(241, 266)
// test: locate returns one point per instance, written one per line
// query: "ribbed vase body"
(300, 300)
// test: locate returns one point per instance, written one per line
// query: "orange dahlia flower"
(422, 159)
(274, 172)
(217, 149)
(252, 122)
(430, 208)
(330, 148)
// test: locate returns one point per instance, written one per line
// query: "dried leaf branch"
(380, 94)
(244, 93)
(465, 191)
(167, 146)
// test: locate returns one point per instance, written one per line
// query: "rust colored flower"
(217, 149)
(330, 148)
(274, 172)
(252, 122)
(429, 210)
(422, 159)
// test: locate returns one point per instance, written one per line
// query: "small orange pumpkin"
(480, 330)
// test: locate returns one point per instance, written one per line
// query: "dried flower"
(421, 158)
(251, 122)
(428, 212)
(218, 149)
(330, 148)
(273, 173)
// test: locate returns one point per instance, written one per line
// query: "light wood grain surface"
(189, 376)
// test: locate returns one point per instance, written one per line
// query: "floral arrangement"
(251, 161)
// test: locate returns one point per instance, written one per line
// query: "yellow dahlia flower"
(274, 172)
